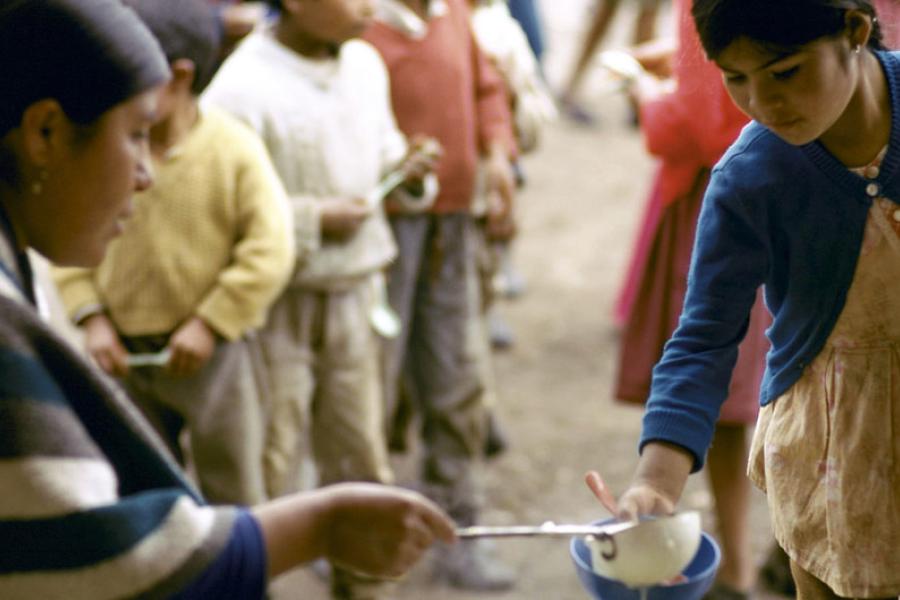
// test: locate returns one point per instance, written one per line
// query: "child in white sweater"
(321, 102)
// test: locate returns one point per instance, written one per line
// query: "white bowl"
(653, 552)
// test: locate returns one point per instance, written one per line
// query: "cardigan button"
(873, 189)
(872, 172)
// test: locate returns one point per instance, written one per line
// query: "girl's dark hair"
(185, 29)
(780, 24)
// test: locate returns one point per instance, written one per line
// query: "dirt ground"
(579, 212)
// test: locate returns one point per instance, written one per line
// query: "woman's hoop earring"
(37, 186)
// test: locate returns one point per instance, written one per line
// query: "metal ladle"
(547, 529)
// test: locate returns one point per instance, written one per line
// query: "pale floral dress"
(827, 452)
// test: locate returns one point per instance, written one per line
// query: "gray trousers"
(322, 370)
(221, 408)
(430, 288)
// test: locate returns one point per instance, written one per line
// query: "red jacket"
(691, 128)
(443, 86)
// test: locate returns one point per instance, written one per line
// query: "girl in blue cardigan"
(804, 204)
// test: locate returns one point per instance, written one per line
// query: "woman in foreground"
(93, 507)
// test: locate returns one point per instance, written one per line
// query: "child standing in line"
(889, 16)
(502, 40)
(606, 11)
(206, 252)
(443, 86)
(805, 203)
(527, 13)
(321, 101)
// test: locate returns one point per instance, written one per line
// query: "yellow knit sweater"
(211, 238)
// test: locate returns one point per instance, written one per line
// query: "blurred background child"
(207, 250)
(605, 13)
(503, 41)
(443, 86)
(321, 101)
(528, 14)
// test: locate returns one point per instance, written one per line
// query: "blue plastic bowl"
(700, 574)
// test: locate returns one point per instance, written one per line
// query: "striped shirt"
(92, 506)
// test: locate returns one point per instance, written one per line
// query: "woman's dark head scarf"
(89, 55)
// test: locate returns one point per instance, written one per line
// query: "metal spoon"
(153, 359)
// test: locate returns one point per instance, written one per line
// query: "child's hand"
(192, 345)
(501, 185)
(239, 19)
(500, 225)
(644, 499)
(420, 160)
(647, 88)
(341, 218)
(104, 346)
(638, 500)
(656, 487)
(656, 56)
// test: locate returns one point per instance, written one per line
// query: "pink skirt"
(651, 301)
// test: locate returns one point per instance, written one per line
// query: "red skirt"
(655, 287)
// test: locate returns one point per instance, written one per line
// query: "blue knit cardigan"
(790, 218)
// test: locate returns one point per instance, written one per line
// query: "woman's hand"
(383, 531)
(104, 346)
(374, 529)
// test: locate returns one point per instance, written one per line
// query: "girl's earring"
(857, 48)
(37, 186)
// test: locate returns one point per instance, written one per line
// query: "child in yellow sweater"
(207, 250)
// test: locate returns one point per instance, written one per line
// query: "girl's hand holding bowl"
(654, 552)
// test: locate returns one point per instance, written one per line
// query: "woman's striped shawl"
(91, 506)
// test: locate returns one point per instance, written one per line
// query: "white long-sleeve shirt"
(330, 130)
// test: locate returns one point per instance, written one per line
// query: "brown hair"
(782, 24)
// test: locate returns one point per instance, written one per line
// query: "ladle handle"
(598, 531)
(600, 491)
(613, 551)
